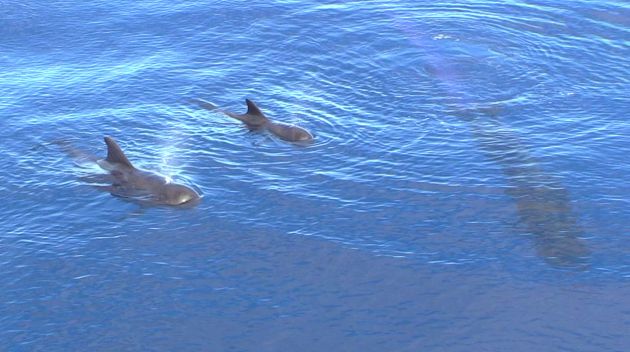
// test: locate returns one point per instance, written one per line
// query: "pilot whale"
(255, 120)
(135, 184)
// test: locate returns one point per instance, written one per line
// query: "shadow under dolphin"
(255, 120)
(542, 203)
(144, 187)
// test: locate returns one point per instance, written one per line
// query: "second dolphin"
(255, 120)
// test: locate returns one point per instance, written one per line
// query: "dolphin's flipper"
(118, 191)
(115, 154)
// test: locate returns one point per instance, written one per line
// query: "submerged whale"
(255, 120)
(137, 185)
(542, 202)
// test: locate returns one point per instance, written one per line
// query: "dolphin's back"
(204, 104)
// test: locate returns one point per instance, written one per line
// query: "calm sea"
(467, 189)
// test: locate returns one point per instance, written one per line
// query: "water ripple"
(475, 137)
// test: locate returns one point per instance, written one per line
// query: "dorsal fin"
(115, 154)
(252, 109)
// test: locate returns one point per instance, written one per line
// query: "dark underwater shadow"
(542, 203)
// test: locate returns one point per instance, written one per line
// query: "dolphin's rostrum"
(255, 120)
(138, 185)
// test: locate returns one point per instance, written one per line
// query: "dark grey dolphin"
(138, 185)
(255, 120)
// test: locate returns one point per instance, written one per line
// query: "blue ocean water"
(466, 189)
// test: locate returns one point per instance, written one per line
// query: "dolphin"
(129, 182)
(255, 120)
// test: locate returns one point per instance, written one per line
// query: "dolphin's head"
(302, 135)
(176, 194)
(290, 133)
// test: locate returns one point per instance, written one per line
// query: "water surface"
(466, 190)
